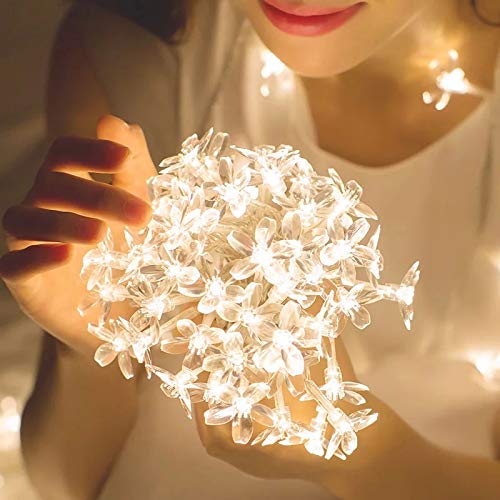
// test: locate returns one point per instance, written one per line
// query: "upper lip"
(304, 10)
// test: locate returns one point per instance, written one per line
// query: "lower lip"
(308, 25)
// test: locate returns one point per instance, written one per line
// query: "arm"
(412, 468)
(79, 415)
(75, 422)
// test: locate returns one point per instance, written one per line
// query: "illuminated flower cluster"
(250, 268)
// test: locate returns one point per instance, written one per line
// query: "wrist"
(393, 462)
(70, 358)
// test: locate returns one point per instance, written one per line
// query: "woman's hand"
(64, 214)
(386, 455)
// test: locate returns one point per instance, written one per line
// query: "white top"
(436, 206)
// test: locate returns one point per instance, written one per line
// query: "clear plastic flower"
(195, 339)
(281, 350)
(284, 430)
(103, 295)
(351, 303)
(241, 407)
(116, 345)
(404, 293)
(211, 289)
(336, 389)
(346, 250)
(345, 438)
(153, 301)
(235, 188)
(261, 254)
(182, 386)
(229, 361)
(99, 262)
(253, 313)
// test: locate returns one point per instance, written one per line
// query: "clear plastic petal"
(263, 415)
(294, 362)
(220, 415)
(242, 429)
(105, 354)
(125, 364)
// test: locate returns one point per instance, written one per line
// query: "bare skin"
(61, 462)
(380, 98)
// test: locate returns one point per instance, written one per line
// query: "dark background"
(27, 30)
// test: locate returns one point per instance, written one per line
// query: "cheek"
(341, 49)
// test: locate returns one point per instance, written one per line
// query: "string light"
(249, 240)
(450, 79)
(273, 68)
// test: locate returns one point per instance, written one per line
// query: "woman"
(351, 99)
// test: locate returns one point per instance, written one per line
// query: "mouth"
(307, 20)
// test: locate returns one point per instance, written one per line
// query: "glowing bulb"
(282, 338)
(243, 406)
(405, 294)
(215, 287)
(488, 365)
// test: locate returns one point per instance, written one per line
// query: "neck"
(399, 68)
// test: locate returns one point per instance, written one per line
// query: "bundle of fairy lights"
(249, 268)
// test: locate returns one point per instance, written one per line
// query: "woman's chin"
(319, 67)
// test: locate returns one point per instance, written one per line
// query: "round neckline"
(303, 125)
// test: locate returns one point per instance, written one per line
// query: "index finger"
(80, 154)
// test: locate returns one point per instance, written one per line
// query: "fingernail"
(135, 210)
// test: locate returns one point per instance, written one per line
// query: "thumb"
(139, 166)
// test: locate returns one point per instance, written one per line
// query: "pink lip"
(306, 20)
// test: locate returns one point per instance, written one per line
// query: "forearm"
(465, 477)
(417, 469)
(435, 474)
(75, 423)
(394, 462)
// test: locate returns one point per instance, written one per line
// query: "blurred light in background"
(487, 363)
(10, 424)
(274, 69)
